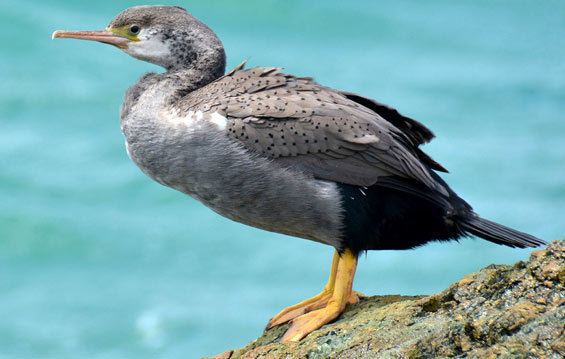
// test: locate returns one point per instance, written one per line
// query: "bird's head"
(167, 36)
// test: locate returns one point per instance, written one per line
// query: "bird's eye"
(134, 29)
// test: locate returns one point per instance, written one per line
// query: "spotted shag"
(284, 153)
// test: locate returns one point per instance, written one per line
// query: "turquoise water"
(98, 261)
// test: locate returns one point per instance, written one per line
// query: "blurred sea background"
(98, 261)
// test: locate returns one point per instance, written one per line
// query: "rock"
(501, 311)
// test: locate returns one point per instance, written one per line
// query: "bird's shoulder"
(268, 92)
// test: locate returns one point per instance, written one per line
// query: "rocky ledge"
(502, 311)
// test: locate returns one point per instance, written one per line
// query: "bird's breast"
(190, 152)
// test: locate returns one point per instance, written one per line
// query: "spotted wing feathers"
(332, 135)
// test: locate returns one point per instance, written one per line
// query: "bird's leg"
(316, 302)
(305, 324)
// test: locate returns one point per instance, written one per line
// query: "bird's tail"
(498, 233)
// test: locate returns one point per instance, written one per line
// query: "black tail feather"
(498, 233)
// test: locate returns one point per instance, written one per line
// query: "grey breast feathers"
(320, 131)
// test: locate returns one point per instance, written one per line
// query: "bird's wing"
(328, 134)
(416, 132)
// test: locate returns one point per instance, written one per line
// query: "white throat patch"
(150, 47)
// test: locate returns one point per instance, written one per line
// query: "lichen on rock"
(502, 311)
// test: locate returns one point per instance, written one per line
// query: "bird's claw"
(305, 324)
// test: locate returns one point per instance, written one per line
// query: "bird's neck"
(199, 64)
(189, 79)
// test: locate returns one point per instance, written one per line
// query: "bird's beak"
(104, 36)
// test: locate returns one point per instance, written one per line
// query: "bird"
(285, 154)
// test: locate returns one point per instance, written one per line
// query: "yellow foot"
(307, 323)
(326, 306)
(316, 302)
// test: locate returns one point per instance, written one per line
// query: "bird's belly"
(240, 185)
(270, 212)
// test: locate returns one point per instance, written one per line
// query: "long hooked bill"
(104, 36)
